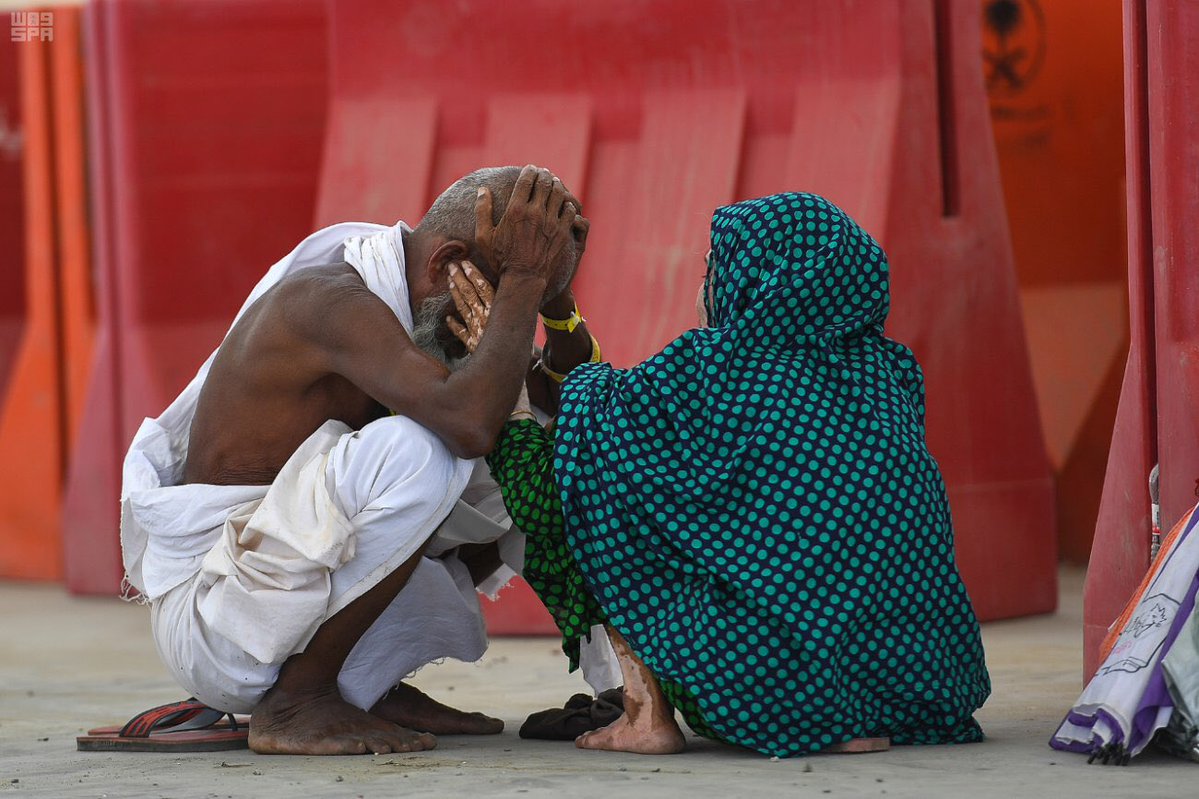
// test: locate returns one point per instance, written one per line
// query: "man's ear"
(437, 268)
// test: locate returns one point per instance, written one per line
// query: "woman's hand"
(472, 296)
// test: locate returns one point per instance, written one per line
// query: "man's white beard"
(428, 324)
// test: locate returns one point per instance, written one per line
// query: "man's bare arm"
(468, 407)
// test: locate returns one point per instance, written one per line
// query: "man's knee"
(392, 463)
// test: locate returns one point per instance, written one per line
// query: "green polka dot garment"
(522, 464)
(755, 508)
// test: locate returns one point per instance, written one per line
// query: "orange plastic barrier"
(1157, 421)
(1053, 72)
(206, 128)
(657, 112)
(33, 413)
(76, 284)
(90, 526)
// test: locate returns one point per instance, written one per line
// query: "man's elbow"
(472, 441)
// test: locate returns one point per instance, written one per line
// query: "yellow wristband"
(550, 373)
(557, 377)
(568, 324)
(596, 355)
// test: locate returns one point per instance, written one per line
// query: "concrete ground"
(68, 664)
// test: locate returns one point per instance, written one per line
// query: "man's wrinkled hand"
(536, 226)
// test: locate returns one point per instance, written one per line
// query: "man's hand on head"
(536, 226)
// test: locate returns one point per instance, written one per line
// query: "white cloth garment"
(240, 577)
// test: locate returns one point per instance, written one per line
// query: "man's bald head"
(452, 217)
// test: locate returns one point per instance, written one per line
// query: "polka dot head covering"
(795, 267)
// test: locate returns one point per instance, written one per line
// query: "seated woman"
(753, 511)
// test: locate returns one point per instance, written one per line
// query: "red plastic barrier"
(207, 125)
(12, 213)
(657, 112)
(1158, 420)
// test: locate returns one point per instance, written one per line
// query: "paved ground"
(67, 664)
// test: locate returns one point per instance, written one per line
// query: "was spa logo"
(32, 26)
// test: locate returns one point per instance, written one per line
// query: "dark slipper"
(187, 726)
(580, 714)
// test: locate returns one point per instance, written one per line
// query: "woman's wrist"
(559, 377)
(560, 307)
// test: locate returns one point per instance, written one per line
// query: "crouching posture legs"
(305, 714)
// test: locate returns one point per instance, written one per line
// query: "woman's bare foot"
(647, 726)
(656, 736)
(859, 746)
(410, 707)
(322, 723)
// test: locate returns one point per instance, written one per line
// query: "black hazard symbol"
(1013, 45)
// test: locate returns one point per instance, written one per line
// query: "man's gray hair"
(453, 213)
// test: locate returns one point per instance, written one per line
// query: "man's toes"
(486, 725)
(378, 746)
(342, 745)
(409, 741)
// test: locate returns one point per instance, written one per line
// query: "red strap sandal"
(187, 726)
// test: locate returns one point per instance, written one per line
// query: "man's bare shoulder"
(314, 298)
(329, 312)
(319, 286)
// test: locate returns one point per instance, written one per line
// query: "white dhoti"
(347, 509)
(240, 577)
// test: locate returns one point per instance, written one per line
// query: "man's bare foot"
(652, 736)
(411, 707)
(322, 723)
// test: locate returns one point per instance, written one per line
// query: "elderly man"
(286, 516)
